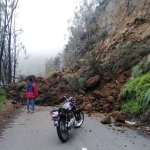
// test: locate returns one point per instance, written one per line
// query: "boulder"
(82, 91)
(91, 82)
(106, 120)
(118, 116)
(110, 99)
(83, 69)
(97, 94)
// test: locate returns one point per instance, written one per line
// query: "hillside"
(96, 79)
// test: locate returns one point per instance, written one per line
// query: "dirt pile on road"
(104, 98)
(49, 91)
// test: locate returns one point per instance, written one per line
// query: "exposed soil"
(8, 113)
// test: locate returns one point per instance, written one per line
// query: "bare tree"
(9, 49)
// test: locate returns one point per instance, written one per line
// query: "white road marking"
(84, 148)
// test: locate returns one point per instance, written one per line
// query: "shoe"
(32, 111)
(28, 111)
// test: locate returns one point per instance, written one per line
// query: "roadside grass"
(136, 94)
(2, 98)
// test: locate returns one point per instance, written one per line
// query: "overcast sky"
(44, 23)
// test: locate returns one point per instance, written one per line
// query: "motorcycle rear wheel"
(79, 119)
(62, 131)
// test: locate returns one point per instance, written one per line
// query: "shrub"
(131, 106)
(146, 100)
(71, 81)
(2, 98)
(21, 77)
(143, 49)
(75, 67)
(140, 19)
(135, 94)
(74, 82)
(82, 82)
(137, 70)
(88, 55)
(141, 68)
(102, 34)
(2, 92)
(53, 74)
(130, 54)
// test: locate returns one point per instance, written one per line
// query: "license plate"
(55, 122)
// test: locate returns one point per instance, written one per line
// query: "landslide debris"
(104, 99)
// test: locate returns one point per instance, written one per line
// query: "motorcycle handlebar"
(70, 99)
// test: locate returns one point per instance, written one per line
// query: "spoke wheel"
(62, 131)
(79, 119)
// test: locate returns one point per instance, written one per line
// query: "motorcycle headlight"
(54, 113)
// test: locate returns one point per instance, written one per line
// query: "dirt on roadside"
(7, 115)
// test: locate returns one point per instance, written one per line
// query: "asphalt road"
(36, 132)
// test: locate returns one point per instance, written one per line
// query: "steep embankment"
(125, 21)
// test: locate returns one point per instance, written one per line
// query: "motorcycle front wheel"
(62, 130)
(79, 118)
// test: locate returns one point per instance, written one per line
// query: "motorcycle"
(66, 118)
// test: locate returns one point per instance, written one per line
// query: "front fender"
(78, 110)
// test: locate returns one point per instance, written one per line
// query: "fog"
(34, 64)
(44, 24)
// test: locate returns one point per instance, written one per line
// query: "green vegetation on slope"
(2, 98)
(136, 92)
(74, 82)
(92, 64)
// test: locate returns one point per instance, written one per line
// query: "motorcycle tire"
(79, 118)
(62, 130)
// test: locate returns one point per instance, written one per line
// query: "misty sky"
(44, 23)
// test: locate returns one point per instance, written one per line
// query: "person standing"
(31, 94)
